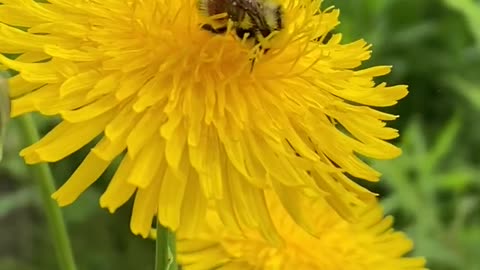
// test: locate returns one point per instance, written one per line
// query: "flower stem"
(165, 255)
(42, 174)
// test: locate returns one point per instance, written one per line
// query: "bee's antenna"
(253, 63)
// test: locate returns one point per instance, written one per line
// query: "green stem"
(165, 255)
(42, 174)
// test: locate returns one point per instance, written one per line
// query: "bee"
(251, 19)
(4, 110)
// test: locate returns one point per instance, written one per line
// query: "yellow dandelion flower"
(338, 245)
(189, 117)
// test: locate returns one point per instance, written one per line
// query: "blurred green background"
(433, 189)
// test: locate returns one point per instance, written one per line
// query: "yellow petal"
(145, 208)
(118, 190)
(171, 197)
(147, 164)
(84, 176)
(65, 139)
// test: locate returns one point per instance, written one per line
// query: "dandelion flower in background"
(192, 122)
(338, 245)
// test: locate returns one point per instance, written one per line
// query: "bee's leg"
(253, 63)
(246, 33)
(325, 38)
(241, 33)
(221, 30)
(261, 50)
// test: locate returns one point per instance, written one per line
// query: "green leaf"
(12, 201)
(443, 145)
(471, 11)
(469, 89)
(4, 110)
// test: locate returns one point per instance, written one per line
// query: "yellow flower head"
(198, 117)
(338, 245)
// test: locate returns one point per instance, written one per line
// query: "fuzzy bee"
(251, 19)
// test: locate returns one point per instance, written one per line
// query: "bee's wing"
(4, 111)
